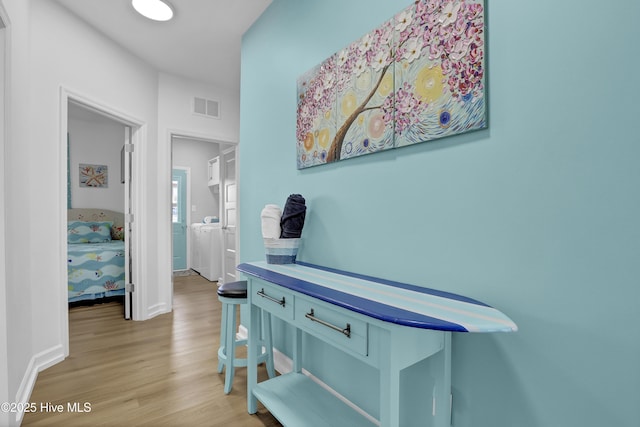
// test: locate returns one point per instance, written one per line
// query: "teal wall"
(539, 215)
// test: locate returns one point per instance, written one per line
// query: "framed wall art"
(95, 176)
(418, 77)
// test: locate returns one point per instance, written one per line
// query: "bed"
(95, 255)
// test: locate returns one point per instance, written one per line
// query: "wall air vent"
(206, 107)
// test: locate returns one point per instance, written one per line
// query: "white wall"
(4, 365)
(51, 49)
(18, 274)
(175, 96)
(53, 52)
(95, 139)
(195, 154)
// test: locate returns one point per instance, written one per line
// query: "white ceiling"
(201, 43)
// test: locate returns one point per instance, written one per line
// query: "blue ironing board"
(389, 301)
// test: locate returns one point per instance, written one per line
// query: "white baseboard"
(242, 333)
(38, 363)
(156, 310)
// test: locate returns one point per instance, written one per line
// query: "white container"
(270, 217)
(281, 251)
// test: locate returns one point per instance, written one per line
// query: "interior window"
(175, 213)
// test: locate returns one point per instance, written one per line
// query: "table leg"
(396, 355)
(252, 354)
(389, 383)
(297, 351)
(230, 348)
(443, 387)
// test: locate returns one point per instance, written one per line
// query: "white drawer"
(275, 299)
(333, 324)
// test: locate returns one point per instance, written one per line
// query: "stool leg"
(267, 339)
(223, 337)
(230, 350)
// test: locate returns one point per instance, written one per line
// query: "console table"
(385, 324)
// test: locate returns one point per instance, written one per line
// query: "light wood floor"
(160, 372)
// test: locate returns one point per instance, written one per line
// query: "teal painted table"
(385, 324)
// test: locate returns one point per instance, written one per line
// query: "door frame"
(138, 136)
(187, 208)
(5, 60)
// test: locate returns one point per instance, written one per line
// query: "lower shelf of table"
(296, 400)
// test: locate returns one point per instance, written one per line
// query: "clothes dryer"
(206, 253)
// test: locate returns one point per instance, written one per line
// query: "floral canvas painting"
(94, 176)
(417, 77)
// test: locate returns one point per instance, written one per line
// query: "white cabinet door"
(214, 171)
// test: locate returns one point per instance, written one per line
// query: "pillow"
(89, 232)
(117, 233)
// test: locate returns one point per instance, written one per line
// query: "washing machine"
(206, 250)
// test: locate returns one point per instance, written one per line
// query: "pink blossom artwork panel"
(364, 83)
(316, 116)
(340, 102)
(439, 70)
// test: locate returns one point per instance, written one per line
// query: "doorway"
(123, 174)
(97, 190)
(206, 197)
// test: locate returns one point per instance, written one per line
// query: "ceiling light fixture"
(157, 10)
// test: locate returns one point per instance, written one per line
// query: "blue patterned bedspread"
(95, 270)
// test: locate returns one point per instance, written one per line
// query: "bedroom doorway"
(129, 166)
(99, 150)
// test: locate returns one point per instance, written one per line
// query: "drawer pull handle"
(270, 298)
(347, 331)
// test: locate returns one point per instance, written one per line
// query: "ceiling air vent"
(206, 107)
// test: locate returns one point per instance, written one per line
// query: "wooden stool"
(232, 295)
